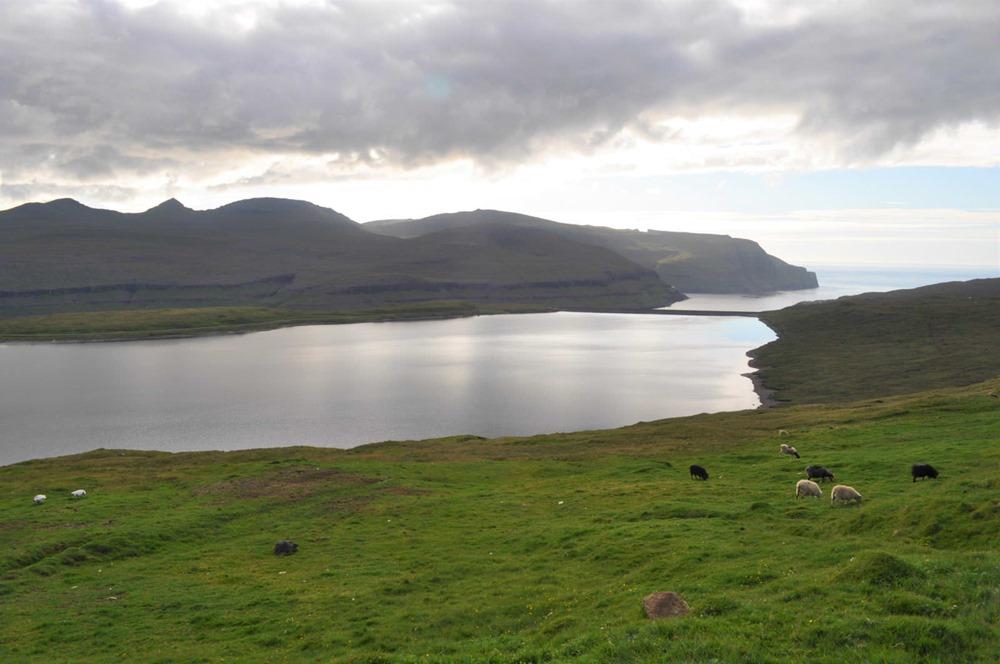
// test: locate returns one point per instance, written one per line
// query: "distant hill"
(65, 256)
(878, 344)
(691, 262)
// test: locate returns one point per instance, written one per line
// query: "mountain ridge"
(64, 256)
(691, 262)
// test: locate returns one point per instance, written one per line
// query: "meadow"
(534, 549)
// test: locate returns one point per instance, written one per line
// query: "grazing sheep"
(697, 472)
(39, 499)
(782, 432)
(789, 450)
(79, 493)
(819, 473)
(807, 488)
(923, 470)
(844, 494)
(285, 547)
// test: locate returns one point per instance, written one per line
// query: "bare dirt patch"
(285, 484)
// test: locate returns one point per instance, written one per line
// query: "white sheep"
(39, 499)
(805, 488)
(844, 494)
(782, 432)
(789, 450)
(79, 493)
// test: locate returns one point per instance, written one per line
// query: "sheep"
(285, 547)
(782, 432)
(789, 450)
(923, 470)
(79, 493)
(697, 472)
(819, 472)
(844, 494)
(39, 499)
(807, 488)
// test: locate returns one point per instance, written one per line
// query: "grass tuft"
(879, 568)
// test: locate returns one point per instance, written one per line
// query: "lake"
(342, 385)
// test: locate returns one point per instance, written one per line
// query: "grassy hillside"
(63, 256)
(691, 262)
(523, 549)
(883, 343)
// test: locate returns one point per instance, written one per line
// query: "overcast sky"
(740, 117)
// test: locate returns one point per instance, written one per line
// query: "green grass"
(150, 323)
(523, 549)
(880, 344)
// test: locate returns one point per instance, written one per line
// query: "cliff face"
(721, 264)
(689, 262)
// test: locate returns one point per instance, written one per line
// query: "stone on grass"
(664, 605)
(285, 548)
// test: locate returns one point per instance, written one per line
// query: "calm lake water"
(343, 385)
(350, 384)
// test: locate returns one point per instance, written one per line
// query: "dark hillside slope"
(64, 244)
(880, 344)
(691, 262)
(499, 264)
(63, 256)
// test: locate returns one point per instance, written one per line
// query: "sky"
(831, 131)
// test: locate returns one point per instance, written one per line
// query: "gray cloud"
(37, 191)
(92, 90)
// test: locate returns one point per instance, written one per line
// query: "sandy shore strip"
(765, 395)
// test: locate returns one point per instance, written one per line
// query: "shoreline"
(764, 393)
(766, 396)
(111, 336)
(195, 333)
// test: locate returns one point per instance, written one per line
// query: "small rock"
(664, 605)
(285, 548)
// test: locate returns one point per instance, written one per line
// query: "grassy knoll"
(523, 549)
(150, 323)
(883, 343)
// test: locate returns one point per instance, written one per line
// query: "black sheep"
(285, 548)
(697, 472)
(923, 470)
(819, 472)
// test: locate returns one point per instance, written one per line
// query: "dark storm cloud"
(91, 89)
